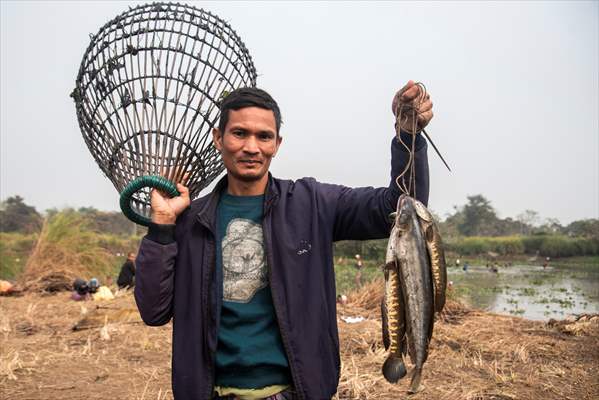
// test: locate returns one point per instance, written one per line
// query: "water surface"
(530, 291)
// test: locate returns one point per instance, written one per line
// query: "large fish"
(408, 306)
(436, 253)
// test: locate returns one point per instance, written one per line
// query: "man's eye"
(239, 133)
(265, 136)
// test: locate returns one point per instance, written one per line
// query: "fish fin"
(415, 385)
(422, 211)
(394, 368)
(386, 339)
(392, 216)
(403, 346)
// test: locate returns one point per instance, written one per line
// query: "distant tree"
(87, 210)
(529, 219)
(550, 225)
(588, 228)
(450, 227)
(16, 216)
(479, 217)
(509, 226)
(112, 222)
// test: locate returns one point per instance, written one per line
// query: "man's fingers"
(426, 106)
(183, 190)
(424, 118)
(410, 93)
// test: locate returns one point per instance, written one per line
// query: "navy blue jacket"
(176, 275)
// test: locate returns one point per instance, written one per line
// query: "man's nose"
(250, 145)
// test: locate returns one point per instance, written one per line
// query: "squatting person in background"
(127, 274)
(246, 272)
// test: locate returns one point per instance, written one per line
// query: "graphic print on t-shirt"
(244, 264)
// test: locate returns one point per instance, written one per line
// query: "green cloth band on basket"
(153, 181)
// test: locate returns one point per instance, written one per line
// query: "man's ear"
(217, 139)
(279, 141)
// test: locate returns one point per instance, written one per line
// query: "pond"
(529, 291)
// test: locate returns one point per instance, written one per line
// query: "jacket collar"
(207, 214)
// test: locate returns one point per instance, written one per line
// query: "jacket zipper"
(207, 312)
(294, 376)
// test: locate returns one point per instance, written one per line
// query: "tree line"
(473, 228)
(16, 216)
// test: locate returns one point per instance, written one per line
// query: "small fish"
(394, 328)
(434, 245)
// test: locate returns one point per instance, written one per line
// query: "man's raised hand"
(165, 210)
(412, 96)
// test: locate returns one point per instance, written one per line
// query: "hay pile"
(581, 325)
(66, 249)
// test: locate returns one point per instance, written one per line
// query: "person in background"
(93, 285)
(80, 290)
(126, 277)
(359, 266)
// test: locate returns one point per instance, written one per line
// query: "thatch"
(65, 250)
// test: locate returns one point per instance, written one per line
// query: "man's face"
(248, 143)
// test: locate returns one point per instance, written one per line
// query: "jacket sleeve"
(154, 280)
(363, 213)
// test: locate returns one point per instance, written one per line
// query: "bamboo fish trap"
(147, 97)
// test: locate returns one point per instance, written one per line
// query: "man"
(246, 272)
(358, 277)
(127, 274)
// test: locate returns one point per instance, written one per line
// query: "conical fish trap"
(147, 96)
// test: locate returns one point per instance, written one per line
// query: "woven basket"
(147, 96)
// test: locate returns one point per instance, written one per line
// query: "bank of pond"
(561, 288)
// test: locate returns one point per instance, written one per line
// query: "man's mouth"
(250, 162)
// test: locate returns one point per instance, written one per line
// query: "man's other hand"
(165, 209)
(411, 96)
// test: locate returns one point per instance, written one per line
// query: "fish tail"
(415, 386)
(394, 368)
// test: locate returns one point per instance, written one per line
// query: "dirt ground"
(112, 355)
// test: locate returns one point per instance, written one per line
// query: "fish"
(434, 245)
(394, 328)
(408, 304)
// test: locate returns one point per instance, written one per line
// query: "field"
(112, 355)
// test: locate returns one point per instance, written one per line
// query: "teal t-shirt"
(250, 352)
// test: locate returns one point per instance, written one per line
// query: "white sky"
(515, 88)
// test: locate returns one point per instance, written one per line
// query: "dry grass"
(473, 355)
(65, 249)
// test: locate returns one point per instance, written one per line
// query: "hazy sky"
(515, 88)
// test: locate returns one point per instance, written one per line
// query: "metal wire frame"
(148, 90)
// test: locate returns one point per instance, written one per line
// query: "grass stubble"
(473, 354)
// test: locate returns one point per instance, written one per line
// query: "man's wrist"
(164, 219)
(406, 138)
(161, 233)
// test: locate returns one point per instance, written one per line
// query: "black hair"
(247, 97)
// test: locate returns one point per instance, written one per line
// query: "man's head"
(248, 134)
(248, 97)
(131, 256)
